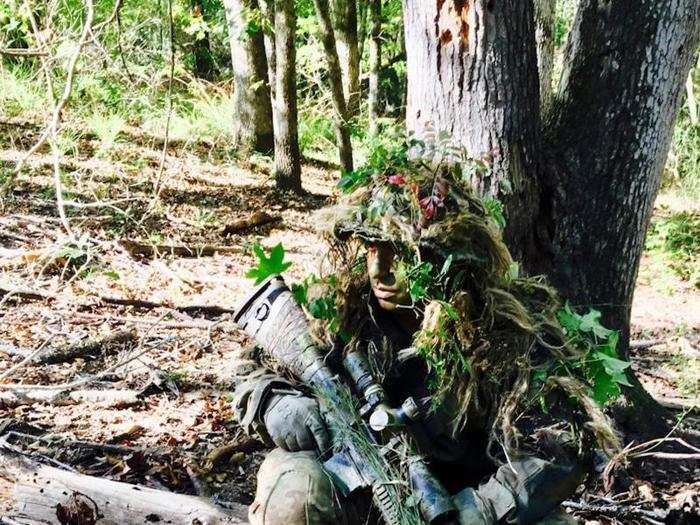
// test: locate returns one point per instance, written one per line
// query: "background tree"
(578, 200)
(336, 83)
(344, 14)
(375, 63)
(287, 166)
(252, 127)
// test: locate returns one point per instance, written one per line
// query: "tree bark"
(610, 127)
(472, 72)
(375, 63)
(544, 38)
(252, 127)
(342, 129)
(345, 17)
(287, 168)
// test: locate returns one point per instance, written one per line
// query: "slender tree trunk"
(268, 10)
(375, 63)
(345, 16)
(201, 49)
(362, 12)
(335, 77)
(544, 38)
(252, 128)
(611, 126)
(287, 169)
(472, 72)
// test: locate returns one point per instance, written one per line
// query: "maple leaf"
(267, 266)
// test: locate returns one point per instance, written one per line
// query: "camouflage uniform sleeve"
(253, 384)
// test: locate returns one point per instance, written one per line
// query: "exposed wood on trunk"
(253, 111)
(328, 40)
(35, 493)
(611, 126)
(287, 169)
(472, 72)
(375, 63)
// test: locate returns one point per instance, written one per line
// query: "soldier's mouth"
(384, 293)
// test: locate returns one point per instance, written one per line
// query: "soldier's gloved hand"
(294, 423)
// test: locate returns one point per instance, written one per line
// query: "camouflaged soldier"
(422, 282)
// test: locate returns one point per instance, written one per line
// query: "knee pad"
(293, 489)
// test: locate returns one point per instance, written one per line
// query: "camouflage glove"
(294, 423)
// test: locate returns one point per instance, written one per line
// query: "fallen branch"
(139, 249)
(90, 347)
(107, 398)
(86, 380)
(40, 493)
(138, 303)
(21, 52)
(258, 218)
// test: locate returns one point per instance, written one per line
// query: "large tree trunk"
(611, 126)
(375, 63)
(345, 16)
(342, 129)
(580, 203)
(252, 128)
(544, 38)
(287, 169)
(472, 72)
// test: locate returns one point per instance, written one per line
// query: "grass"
(20, 94)
(107, 128)
(675, 240)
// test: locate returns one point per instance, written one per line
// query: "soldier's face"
(390, 289)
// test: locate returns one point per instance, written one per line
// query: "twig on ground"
(7, 373)
(645, 343)
(67, 89)
(617, 511)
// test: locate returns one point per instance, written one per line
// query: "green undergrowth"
(673, 241)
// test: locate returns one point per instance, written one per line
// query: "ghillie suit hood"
(491, 338)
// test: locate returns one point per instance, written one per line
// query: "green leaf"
(569, 319)
(267, 266)
(591, 323)
(300, 293)
(614, 367)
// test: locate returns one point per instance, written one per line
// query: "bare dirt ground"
(163, 417)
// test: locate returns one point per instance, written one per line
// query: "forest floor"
(158, 413)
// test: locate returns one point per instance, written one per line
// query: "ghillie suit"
(497, 353)
(509, 391)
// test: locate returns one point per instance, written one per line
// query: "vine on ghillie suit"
(498, 345)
